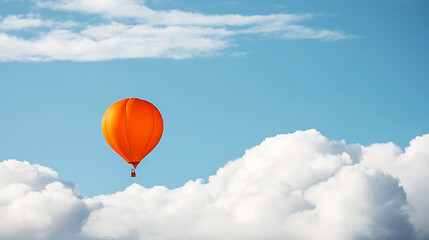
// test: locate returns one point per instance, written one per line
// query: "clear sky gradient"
(369, 87)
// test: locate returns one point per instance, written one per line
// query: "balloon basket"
(133, 172)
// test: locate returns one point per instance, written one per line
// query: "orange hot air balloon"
(132, 127)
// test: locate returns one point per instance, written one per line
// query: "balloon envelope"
(132, 127)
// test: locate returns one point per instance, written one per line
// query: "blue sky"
(363, 80)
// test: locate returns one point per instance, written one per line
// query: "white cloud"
(137, 9)
(19, 22)
(114, 41)
(14, 22)
(129, 29)
(36, 204)
(294, 186)
(357, 203)
(411, 167)
(118, 8)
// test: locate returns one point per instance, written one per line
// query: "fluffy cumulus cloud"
(292, 186)
(36, 204)
(129, 29)
(411, 167)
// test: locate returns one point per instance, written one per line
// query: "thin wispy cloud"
(21, 22)
(291, 186)
(15, 22)
(130, 29)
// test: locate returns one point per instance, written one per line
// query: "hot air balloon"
(132, 127)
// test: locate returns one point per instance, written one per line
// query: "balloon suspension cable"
(133, 172)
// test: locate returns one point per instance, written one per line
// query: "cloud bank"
(291, 186)
(122, 29)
